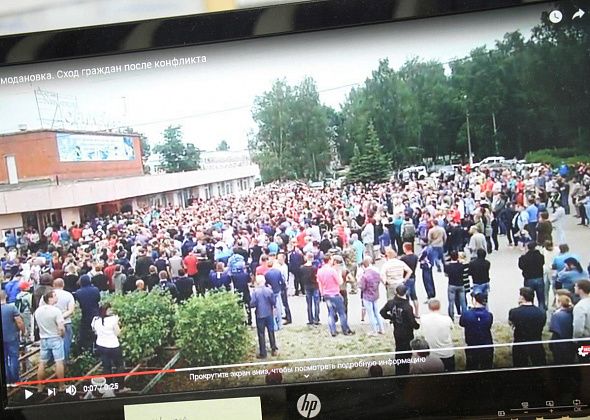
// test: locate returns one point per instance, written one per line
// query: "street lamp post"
(468, 132)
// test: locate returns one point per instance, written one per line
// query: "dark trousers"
(489, 244)
(297, 284)
(11, 364)
(344, 295)
(528, 355)
(112, 361)
(245, 301)
(398, 244)
(263, 324)
(86, 337)
(199, 285)
(583, 215)
(428, 282)
(538, 285)
(285, 300)
(563, 353)
(495, 231)
(511, 233)
(532, 230)
(449, 363)
(402, 368)
(478, 359)
(312, 297)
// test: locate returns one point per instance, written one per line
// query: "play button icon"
(28, 394)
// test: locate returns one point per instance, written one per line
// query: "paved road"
(505, 276)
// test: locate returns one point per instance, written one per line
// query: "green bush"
(210, 330)
(147, 320)
(555, 157)
(76, 319)
(82, 364)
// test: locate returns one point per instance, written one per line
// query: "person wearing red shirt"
(190, 264)
(456, 214)
(109, 272)
(301, 238)
(75, 233)
(265, 265)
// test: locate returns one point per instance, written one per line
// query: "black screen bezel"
(106, 40)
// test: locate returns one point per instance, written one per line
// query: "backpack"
(408, 230)
(22, 304)
(237, 264)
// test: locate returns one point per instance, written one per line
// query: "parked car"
(413, 172)
(316, 185)
(446, 172)
(488, 161)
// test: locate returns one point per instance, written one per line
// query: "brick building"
(56, 178)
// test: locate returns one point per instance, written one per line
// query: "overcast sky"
(212, 101)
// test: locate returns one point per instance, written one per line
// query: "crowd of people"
(284, 241)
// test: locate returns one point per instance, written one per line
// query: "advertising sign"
(88, 147)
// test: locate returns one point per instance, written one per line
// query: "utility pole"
(468, 132)
(495, 132)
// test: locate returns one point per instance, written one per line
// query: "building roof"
(35, 197)
(57, 130)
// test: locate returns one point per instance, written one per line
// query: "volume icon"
(71, 390)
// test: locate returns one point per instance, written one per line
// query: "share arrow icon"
(579, 14)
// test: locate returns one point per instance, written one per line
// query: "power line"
(241, 107)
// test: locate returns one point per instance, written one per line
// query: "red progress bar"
(82, 378)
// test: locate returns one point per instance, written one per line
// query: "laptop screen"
(386, 200)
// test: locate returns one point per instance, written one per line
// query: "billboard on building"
(88, 147)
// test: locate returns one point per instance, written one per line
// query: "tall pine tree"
(371, 163)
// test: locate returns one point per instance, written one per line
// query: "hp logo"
(309, 406)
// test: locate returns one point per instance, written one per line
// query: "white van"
(489, 161)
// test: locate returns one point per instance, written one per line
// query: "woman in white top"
(549, 252)
(106, 327)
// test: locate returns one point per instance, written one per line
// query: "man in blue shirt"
(274, 279)
(531, 227)
(359, 248)
(11, 324)
(477, 322)
(264, 301)
(564, 254)
(9, 239)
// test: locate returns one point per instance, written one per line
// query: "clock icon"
(555, 16)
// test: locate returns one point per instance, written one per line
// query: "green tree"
(175, 155)
(310, 147)
(369, 163)
(385, 100)
(269, 145)
(434, 113)
(223, 146)
(294, 138)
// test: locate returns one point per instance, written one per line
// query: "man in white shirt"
(393, 272)
(477, 241)
(581, 321)
(284, 269)
(368, 239)
(51, 330)
(175, 262)
(66, 304)
(557, 219)
(437, 330)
